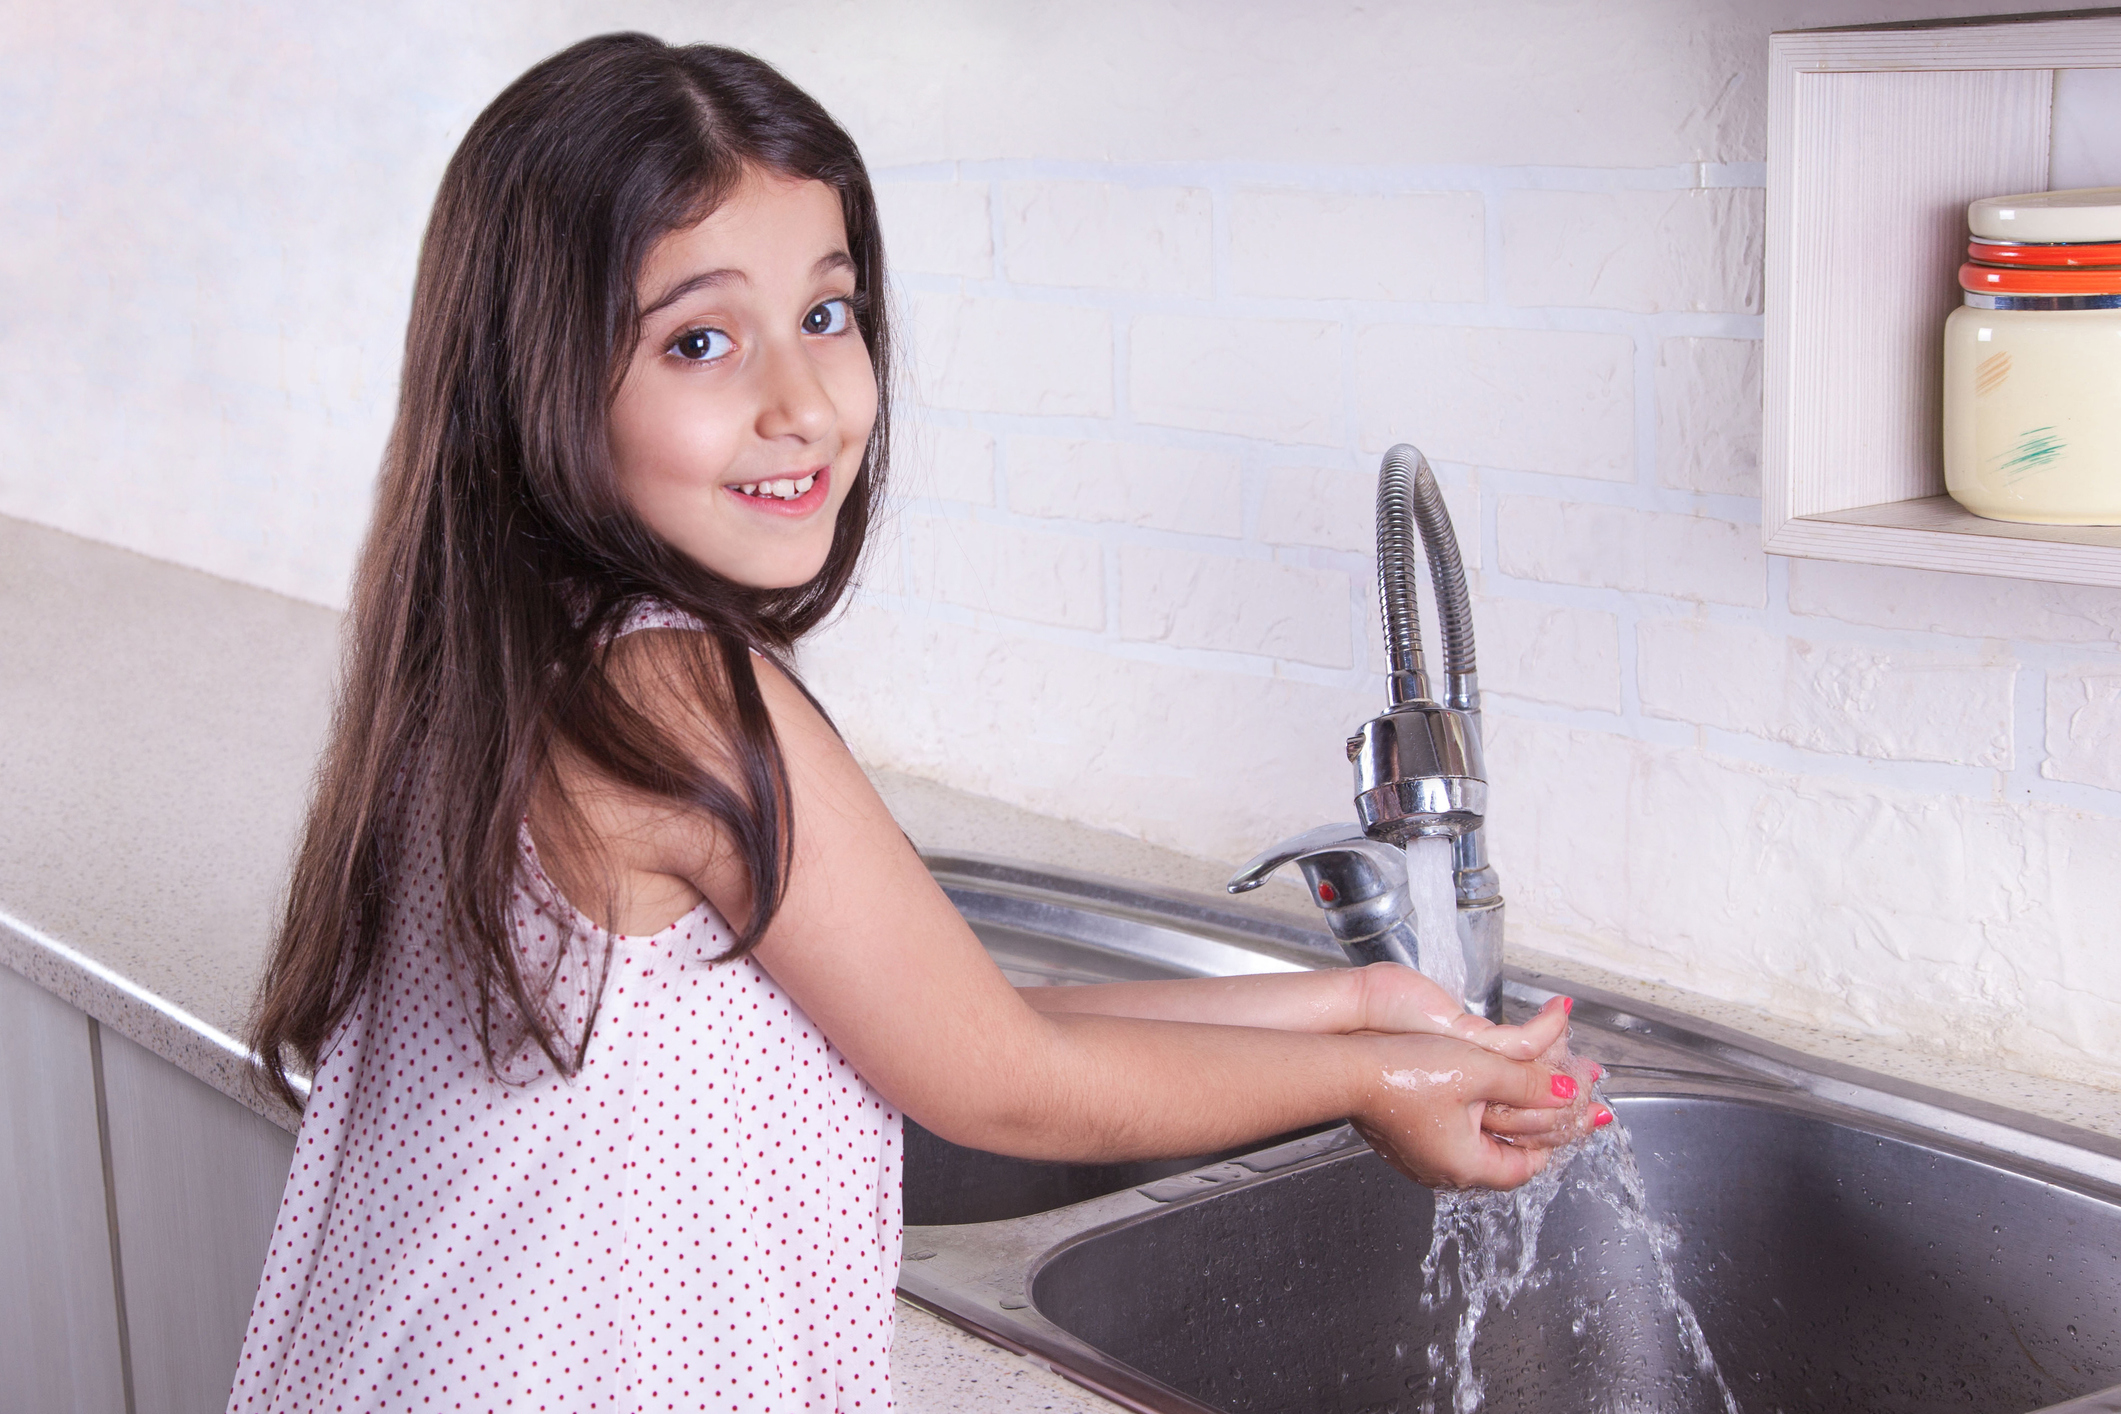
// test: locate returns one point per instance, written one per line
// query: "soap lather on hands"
(1516, 1138)
(1405, 1000)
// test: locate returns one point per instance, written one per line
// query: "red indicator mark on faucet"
(1327, 893)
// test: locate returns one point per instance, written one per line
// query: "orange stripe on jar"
(2068, 255)
(1989, 280)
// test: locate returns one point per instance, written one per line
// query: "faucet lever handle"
(1339, 858)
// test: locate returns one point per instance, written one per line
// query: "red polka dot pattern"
(705, 1217)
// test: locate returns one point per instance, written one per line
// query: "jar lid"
(2087, 214)
(1988, 279)
(2069, 254)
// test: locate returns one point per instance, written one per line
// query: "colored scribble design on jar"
(1990, 373)
(2037, 449)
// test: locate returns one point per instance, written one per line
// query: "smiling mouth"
(787, 495)
(783, 490)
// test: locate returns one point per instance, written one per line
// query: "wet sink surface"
(1042, 939)
(1846, 1242)
(1830, 1269)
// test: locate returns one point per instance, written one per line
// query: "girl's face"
(743, 415)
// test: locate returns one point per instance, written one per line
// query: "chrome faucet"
(1418, 766)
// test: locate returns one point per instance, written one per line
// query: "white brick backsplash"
(1945, 870)
(1709, 415)
(1698, 865)
(947, 463)
(1614, 547)
(2073, 989)
(1841, 698)
(1310, 245)
(1276, 379)
(1315, 505)
(992, 355)
(1525, 399)
(2084, 725)
(883, 564)
(1337, 510)
(1970, 606)
(1097, 235)
(1648, 251)
(1548, 652)
(1240, 606)
(937, 228)
(1560, 828)
(1143, 747)
(999, 569)
(1164, 488)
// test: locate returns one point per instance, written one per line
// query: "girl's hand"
(1399, 999)
(1425, 1111)
(1553, 1128)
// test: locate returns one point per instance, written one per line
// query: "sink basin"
(1831, 1268)
(1053, 929)
(1846, 1241)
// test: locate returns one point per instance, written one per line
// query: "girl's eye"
(702, 345)
(831, 317)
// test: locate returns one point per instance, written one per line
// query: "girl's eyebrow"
(707, 279)
(704, 280)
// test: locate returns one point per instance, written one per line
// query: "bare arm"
(869, 947)
(1383, 997)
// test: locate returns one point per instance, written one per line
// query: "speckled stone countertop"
(158, 728)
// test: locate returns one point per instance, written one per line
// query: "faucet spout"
(1419, 768)
(1419, 772)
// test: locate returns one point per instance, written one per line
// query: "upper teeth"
(783, 489)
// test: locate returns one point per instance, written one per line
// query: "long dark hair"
(502, 554)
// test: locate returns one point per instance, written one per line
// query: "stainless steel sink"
(1847, 1241)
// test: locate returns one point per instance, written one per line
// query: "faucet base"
(1480, 929)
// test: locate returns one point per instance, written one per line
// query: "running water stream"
(1432, 887)
(1485, 1252)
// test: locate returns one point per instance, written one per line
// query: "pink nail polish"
(1601, 1119)
(1564, 1087)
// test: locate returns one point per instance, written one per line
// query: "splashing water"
(1484, 1252)
(1432, 885)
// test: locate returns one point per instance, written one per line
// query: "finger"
(1529, 1085)
(1542, 1033)
(1500, 1166)
(1514, 1123)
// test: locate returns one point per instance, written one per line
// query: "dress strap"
(654, 613)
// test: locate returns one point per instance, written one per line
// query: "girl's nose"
(794, 401)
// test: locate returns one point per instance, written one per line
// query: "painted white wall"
(1176, 274)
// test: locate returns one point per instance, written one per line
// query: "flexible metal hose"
(1454, 606)
(1397, 594)
(1409, 500)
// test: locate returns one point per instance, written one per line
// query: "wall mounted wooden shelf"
(1877, 140)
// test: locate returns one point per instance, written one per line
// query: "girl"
(562, 1152)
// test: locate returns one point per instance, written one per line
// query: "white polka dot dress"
(705, 1217)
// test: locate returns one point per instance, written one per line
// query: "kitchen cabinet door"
(196, 1179)
(58, 1308)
